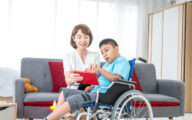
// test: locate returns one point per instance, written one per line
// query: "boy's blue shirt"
(119, 66)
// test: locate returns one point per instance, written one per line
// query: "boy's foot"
(70, 118)
(84, 117)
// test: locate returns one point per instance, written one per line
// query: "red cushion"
(57, 74)
(155, 103)
(163, 103)
(39, 103)
(135, 79)
(134, 104)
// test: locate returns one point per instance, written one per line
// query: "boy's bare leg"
(61, 100)
(60, 111)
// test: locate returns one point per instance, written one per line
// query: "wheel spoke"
(131, 106)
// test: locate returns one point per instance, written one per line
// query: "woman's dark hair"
(85, 29)
(108, 41)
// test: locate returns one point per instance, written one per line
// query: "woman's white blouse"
(72, 61)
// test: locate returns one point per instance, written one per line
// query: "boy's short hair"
(108, 41)
(85, 29)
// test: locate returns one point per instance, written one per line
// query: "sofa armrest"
(19, 96)
(173, 88)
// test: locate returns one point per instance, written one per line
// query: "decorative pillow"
(57, 74)
(135, 79)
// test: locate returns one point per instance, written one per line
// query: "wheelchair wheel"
(132, 105)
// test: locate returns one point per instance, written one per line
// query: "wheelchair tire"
(132, 105)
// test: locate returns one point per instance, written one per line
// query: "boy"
(116, 66)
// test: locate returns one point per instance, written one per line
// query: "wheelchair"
(120, 102)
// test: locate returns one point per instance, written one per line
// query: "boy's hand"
(92, 68)
(75, 77)
(89, 88)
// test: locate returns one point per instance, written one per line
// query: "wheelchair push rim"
(132, 105)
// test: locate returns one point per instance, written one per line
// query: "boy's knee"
(75, 102)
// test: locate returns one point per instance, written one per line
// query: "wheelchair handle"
(142, 59)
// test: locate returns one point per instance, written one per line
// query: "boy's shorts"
(77, 98)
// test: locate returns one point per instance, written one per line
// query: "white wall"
(7, 78)
(179, 1)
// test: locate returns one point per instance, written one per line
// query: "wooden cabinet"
(8, 111)
(170, 45)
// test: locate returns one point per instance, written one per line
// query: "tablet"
(88, 78)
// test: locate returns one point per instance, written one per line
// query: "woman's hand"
(89, 88)
(74, 77)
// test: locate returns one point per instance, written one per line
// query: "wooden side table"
(8, 111)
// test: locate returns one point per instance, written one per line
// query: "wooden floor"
(186, 117)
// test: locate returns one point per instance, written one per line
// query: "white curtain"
(42, 28)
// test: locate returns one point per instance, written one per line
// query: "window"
(42, 28)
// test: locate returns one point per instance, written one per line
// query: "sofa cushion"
(57, 74)
(40, 99)
(147, 77)
(157, 100)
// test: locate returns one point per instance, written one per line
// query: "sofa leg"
(28, 118)
(170, 118)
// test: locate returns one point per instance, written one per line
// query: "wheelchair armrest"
(97, 97)
(124, 82)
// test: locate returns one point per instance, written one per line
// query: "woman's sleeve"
(67, 63)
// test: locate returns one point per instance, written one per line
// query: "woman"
(81, 59)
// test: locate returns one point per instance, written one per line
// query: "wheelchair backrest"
(132, 64)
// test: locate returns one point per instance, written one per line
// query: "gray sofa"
(166, 96)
